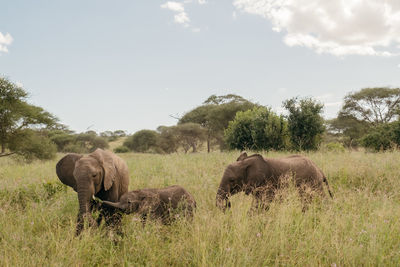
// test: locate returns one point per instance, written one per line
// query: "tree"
(215, 114)
(372, 105)
(168, 140)
(190, 135)
(348, 129)
(17, 120)
(257, 129)
(89, 142)
(142, 141)
(379, 138)
(305, 123)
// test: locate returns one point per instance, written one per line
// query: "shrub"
(379, 138)
(257, 129)
(305, 123)
(142, 141)
(121, 149)
(334, 147)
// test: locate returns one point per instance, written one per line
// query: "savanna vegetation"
(358, 227)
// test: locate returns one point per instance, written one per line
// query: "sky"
(136, 64)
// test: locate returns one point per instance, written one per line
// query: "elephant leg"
(95, 206)
(143, 218)
(306, 196)
(113, 220)
(79, 225)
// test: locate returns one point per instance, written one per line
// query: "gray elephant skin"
(157, 203)
(101, 174)
(261, 177)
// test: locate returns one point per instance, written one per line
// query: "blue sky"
(109, 65)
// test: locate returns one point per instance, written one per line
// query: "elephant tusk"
(97, 199)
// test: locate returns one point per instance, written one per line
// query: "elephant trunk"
(116, 205)
(85, 195)
(222, 199)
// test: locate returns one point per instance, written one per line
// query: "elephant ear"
(256, 169)
(65, 169)
(106, 160)
(242, 156)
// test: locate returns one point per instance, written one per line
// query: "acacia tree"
(215, 114)
(18, 119)
(364, 112)
(305, 123)
(372, 105)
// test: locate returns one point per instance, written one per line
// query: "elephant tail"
(327, 185)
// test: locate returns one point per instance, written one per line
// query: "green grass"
(359, 227)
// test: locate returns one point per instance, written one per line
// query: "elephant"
(99, 174)
(261, 177)
(156, 203)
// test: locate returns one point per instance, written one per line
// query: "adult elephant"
(101, 174)
(261, 177)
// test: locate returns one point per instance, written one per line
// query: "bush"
(257, 129)
(32, 144)
(334, 147)
(142, 141)
(305, 123)
(379, 138)
(121, 149)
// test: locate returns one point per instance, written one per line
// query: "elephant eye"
(94, 175)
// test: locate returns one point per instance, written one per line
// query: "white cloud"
(338, 27)
(202, 2)
(181, 16)
(174, 6)
(5, 40)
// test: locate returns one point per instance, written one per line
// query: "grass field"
(359, 227)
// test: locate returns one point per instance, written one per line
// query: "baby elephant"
(157, 203)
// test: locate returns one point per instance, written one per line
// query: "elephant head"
(101, 174)
(246, 174)
(137, 201)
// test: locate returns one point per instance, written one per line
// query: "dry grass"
(359, 227)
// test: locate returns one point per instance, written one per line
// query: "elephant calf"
(157, 203)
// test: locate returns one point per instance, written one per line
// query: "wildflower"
(258, 234)
(333, 265)
(228, 249)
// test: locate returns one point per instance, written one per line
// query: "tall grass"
(360, 226)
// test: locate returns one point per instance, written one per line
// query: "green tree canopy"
(305, 123)
(142, 141)
(372, 105)
(190, 135)
(215, 114)
(257, 129)
(18, 119)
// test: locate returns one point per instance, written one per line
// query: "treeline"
(32, 132)
(232, 122)
(368, 118)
